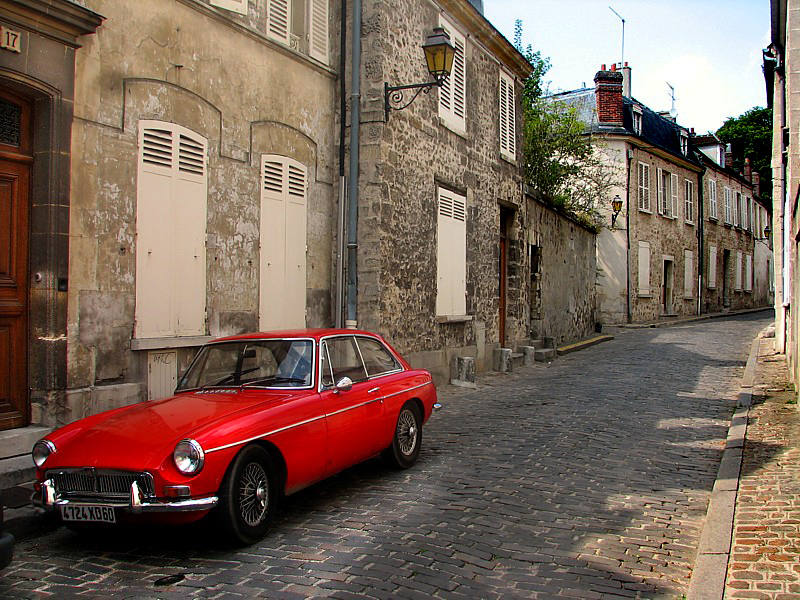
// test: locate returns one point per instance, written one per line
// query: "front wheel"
(407, 438)
(247, 496)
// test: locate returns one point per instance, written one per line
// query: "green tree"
(750, 136)
(562, 163)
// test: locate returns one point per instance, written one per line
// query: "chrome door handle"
(373, 390)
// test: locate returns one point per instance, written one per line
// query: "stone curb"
(711, 564)
(684, 320)
(582, 344)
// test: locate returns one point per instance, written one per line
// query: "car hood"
(143, 435)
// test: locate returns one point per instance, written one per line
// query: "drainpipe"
(340, 231)
(355, 120)
(629, 156)
(701, 254)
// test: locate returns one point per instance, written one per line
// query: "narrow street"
(587, 478)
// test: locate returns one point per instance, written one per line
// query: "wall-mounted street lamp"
(439, 54)
(764, 240)
(616, 206)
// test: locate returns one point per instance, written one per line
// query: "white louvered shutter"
(451, 255)
(738, 275)
(282, 283)
(508, 143)
(453, 92)
(712, 267)
(171, 203)
(688, 274)
(661, 191)
(237, 6)
(318, 30)
(644, 268)
(673, 190)
(279, 16)
(748, 273)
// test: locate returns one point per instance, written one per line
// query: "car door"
(354, 416)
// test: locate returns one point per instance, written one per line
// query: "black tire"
(407, 438)
(247, 496)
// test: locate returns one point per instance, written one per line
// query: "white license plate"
(89, 514)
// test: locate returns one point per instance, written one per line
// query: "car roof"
(316, 334)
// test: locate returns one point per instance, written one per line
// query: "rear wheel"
(407, 439)
(247, 496)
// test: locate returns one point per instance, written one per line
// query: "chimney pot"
(603, 67)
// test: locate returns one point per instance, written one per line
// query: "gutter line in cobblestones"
(711, 565)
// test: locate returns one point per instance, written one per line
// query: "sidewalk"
(765, 557)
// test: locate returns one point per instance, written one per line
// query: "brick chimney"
(608, 92)
(728, 157)
(756, 183)
(748, 170)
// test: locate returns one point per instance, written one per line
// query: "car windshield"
(251, 363)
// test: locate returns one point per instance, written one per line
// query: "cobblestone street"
(587, 478)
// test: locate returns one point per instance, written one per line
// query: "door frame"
(668, 285)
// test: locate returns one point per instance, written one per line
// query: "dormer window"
(637, 120)
(684, 143)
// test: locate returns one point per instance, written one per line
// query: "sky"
(708, 50)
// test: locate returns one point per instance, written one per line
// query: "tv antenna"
(622, 59)
(671, 95)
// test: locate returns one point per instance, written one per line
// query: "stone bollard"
(528, 356)
(503, 361)
(462, 371)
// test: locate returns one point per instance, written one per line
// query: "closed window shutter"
(644, 186)
(451, 266)
(748, 273)
(738, 275)
(282, 281)
(712, 193)
(452, 93)
(688, 274)
(728, 205)
(318, 30)
(673, 189)
(237, 6)
(661, 191)
(507, 117)
(278, 18)
(712, 267)
(171, 213)
(644, 268)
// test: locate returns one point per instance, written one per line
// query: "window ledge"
(644, 210)
(689, 223)
(712, 287)
(644, 294)
(713, 219)
(169, 342)
(508, 158)
(454, 318)
(453, 127)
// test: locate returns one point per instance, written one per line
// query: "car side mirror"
(345, 384)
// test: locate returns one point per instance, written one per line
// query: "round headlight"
(41, 451)
(188, 457)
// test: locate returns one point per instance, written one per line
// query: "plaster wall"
(216, 73)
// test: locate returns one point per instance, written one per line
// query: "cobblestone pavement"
(585, 478)
(765, 560)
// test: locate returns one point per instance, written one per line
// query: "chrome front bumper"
(136, 503)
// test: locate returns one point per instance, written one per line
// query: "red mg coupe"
(254, 417)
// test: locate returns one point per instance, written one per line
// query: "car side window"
(377, 359)
(345, 361)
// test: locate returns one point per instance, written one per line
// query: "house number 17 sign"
(10, 39)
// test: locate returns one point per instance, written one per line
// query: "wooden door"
(504, 217)
(15, 164)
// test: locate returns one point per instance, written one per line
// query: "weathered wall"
(729, 238)
(215, 73)
(566, 307)
(402, 164)
(668, 239)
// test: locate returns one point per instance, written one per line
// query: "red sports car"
(254, 417)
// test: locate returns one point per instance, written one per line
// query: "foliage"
(561, 162)
(750, 135)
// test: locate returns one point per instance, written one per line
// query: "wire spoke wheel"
(253, 494)
(407, 431)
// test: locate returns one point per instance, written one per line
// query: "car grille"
(99, 482)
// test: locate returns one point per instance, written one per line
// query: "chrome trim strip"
(307, 421)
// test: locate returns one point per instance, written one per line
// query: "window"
(453, 92)
(171, 201)
(712, 267)
(508, 131)
(282, 254)
(451, 254)
(377, 359)
(673, 188)
(737, 285)
(712, 198)
(750, 214)
(684, 143)
(301, 25)
(340, 358)
(644, 269)
(689, 201)
(737, 213)
(644, 186)
(728, 212)
(688, 274)
(237, 6)
(637, 120)
(667, 194)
